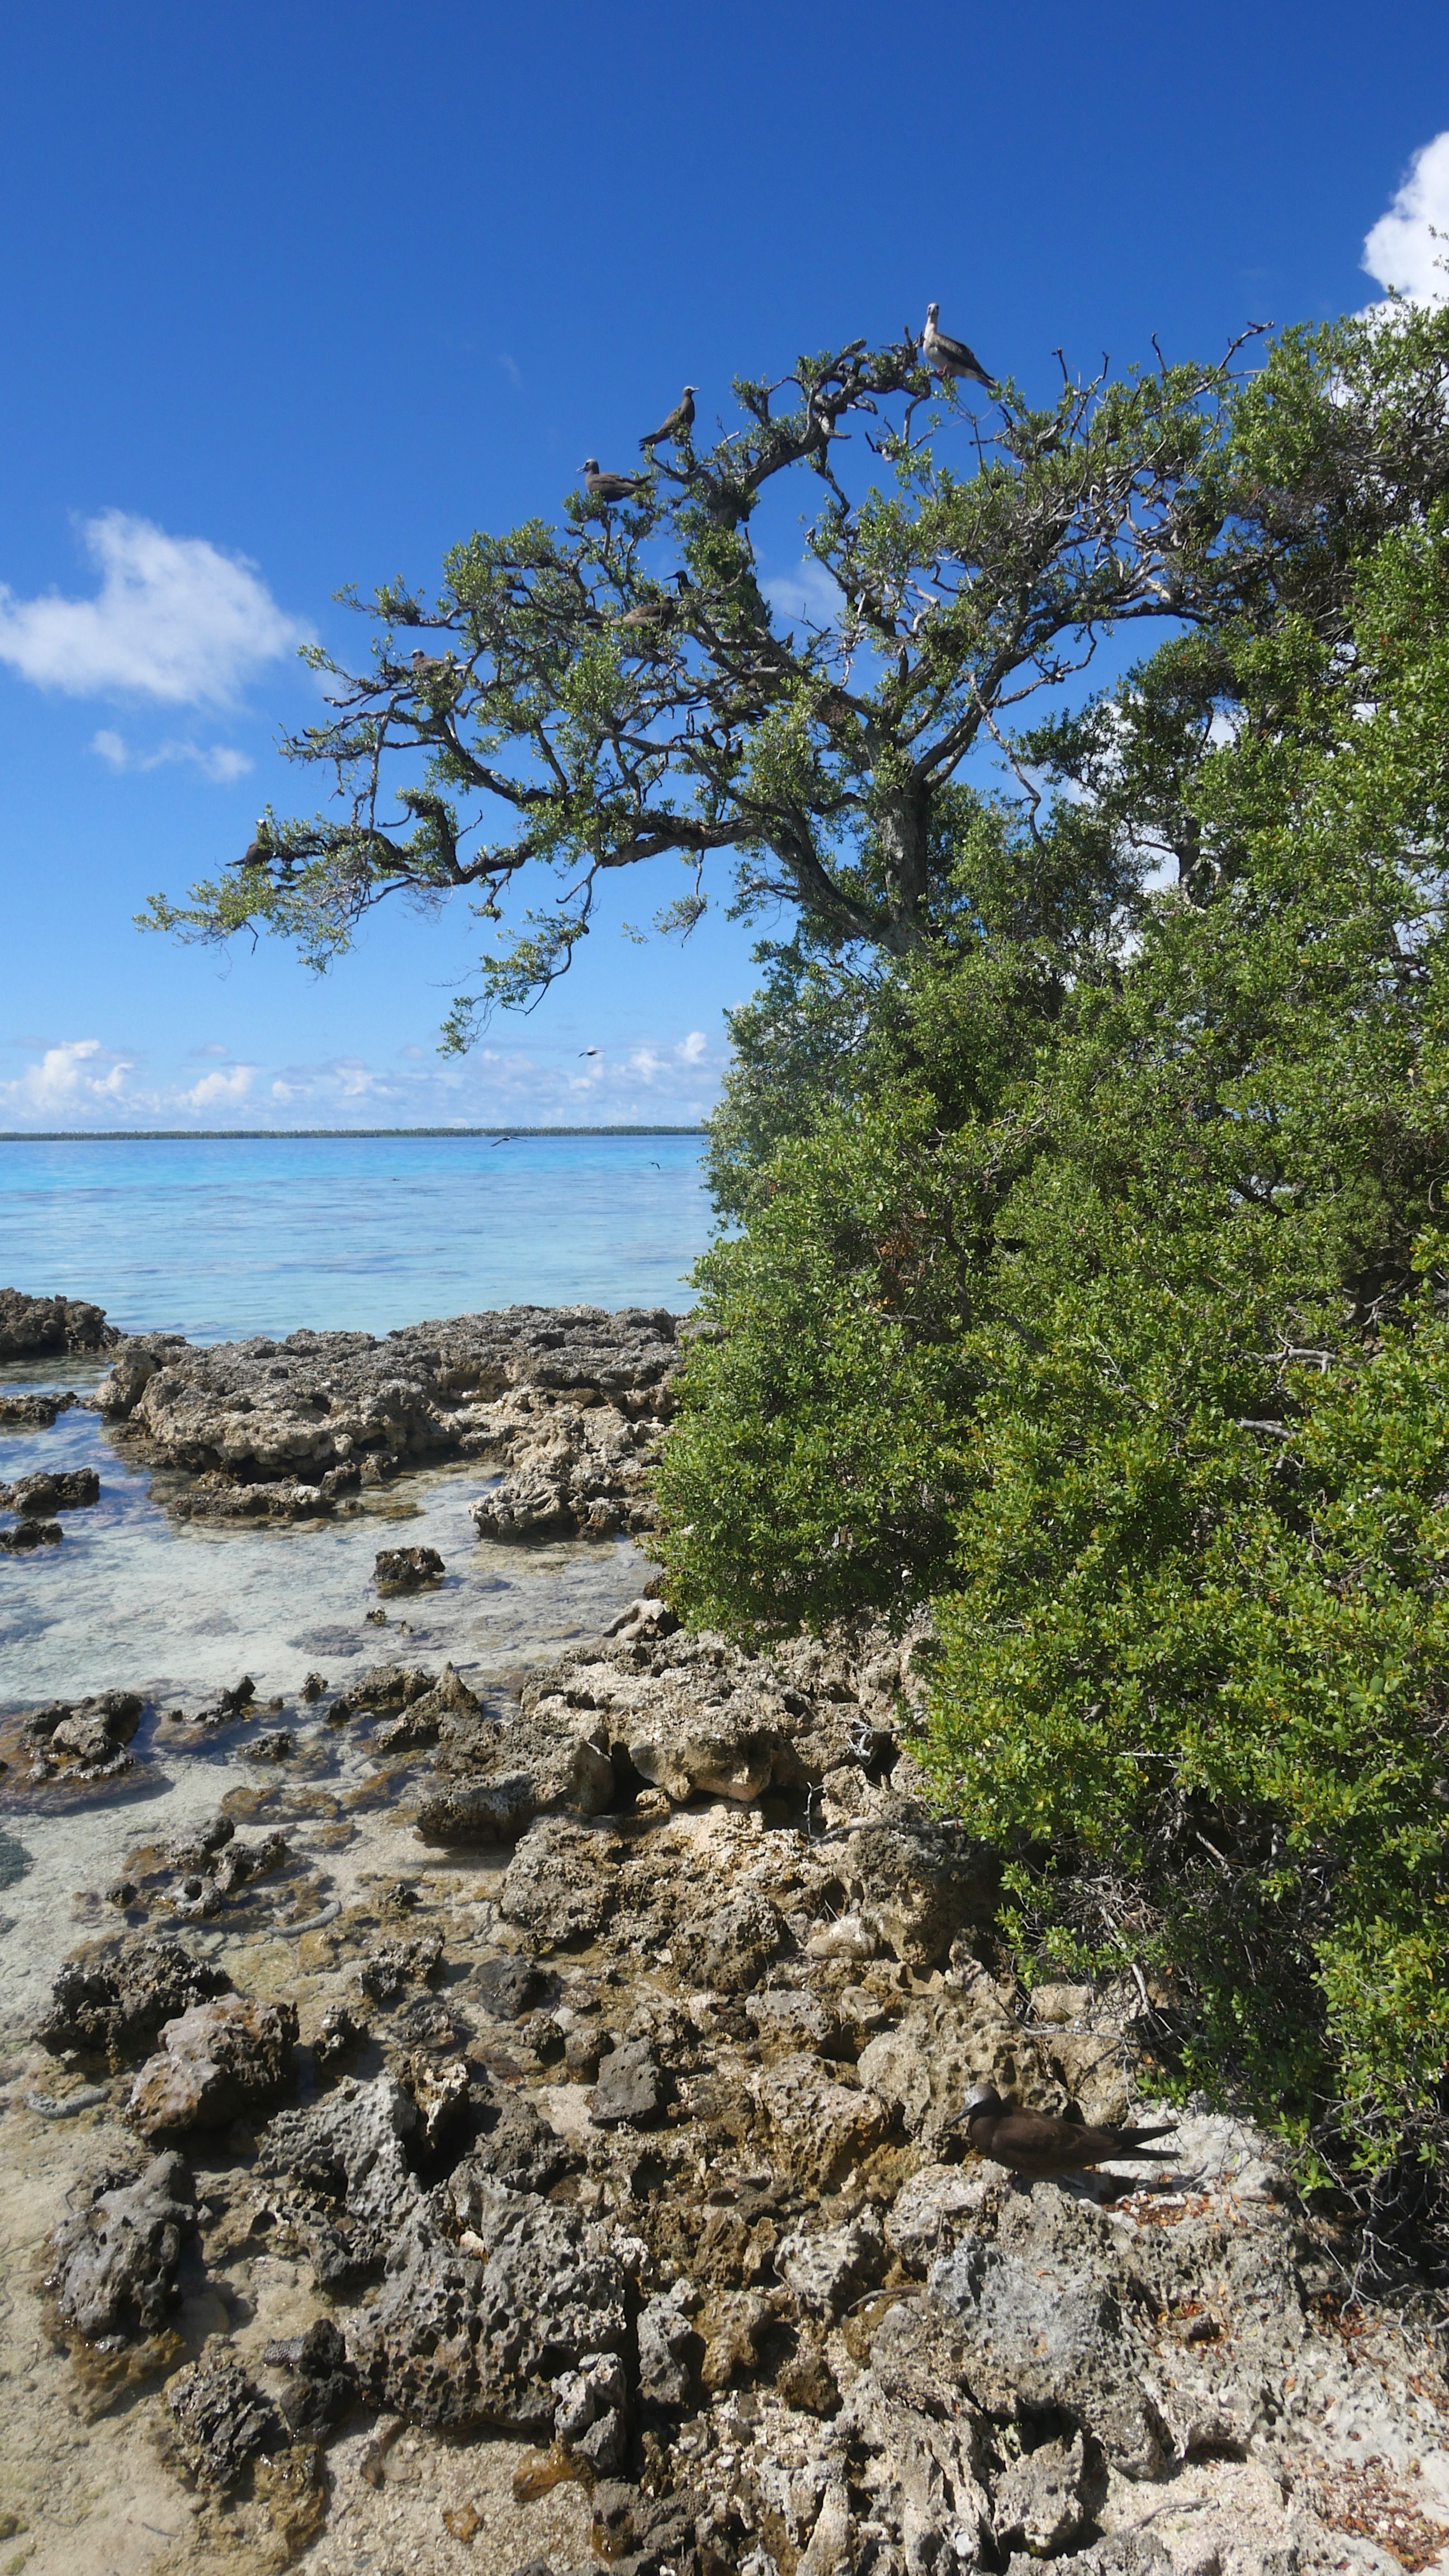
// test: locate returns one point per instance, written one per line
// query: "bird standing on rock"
(947, 357)
(680, 421)
(1039, 2144)
(608, 487)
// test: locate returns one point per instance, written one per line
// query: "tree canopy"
(577, 698)
(1092, 1288)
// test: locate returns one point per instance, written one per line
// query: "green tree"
(1101, 1297)
(604, 692)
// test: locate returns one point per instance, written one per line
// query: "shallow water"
(223, 1238)
(220, 1238)
(176, 1611)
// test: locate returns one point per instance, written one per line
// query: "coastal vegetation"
(1085, 1148)
(1090, 1286)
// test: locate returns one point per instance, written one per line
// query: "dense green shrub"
(1093, 1284)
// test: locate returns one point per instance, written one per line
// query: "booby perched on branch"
(608, 487)
(947, 357)
(680, 421)
(260, 852)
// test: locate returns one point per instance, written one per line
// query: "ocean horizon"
(236, 1233)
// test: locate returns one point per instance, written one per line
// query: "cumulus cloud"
(219, 1090)
(79, 1074)
(664, 1065)
(215, 760)
(81, 1083)
(1407, 247)
(174, 619)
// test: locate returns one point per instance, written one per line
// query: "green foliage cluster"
(1092, 1284)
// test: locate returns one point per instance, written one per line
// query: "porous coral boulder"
(562, 1884)
(334, 2181)
(216, 2063)
(114, 2260)
(114, 2006)
(35, 1327)
(815, 2126)
(483, 2330)
(220, 2420)
(478, 1813)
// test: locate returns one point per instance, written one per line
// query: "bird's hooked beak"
(976, 2100)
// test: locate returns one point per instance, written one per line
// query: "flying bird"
(947, 357)
(588, 1050)
(1037, 2143)
(680, 421)
(608, 487)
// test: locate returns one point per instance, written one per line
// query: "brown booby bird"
(947, 357)
(680, 421)
(1039, 2144)
(608, 487)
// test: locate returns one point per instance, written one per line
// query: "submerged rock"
(406, 1569)
(27, 1535)
(114, 2261)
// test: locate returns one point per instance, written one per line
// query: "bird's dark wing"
(956, 355)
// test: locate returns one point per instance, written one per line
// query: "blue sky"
(295, 296)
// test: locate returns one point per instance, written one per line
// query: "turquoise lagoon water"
(224, 1238)
(219, 1238)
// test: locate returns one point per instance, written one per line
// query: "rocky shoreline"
(539, 2156)
(567, 1402)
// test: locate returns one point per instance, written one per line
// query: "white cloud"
(82, 1083)
(216, 760)
(78, 1074)
(1406, 247)
(807, 592)
(218, 1090)
(662, 1064)
(174, 619)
